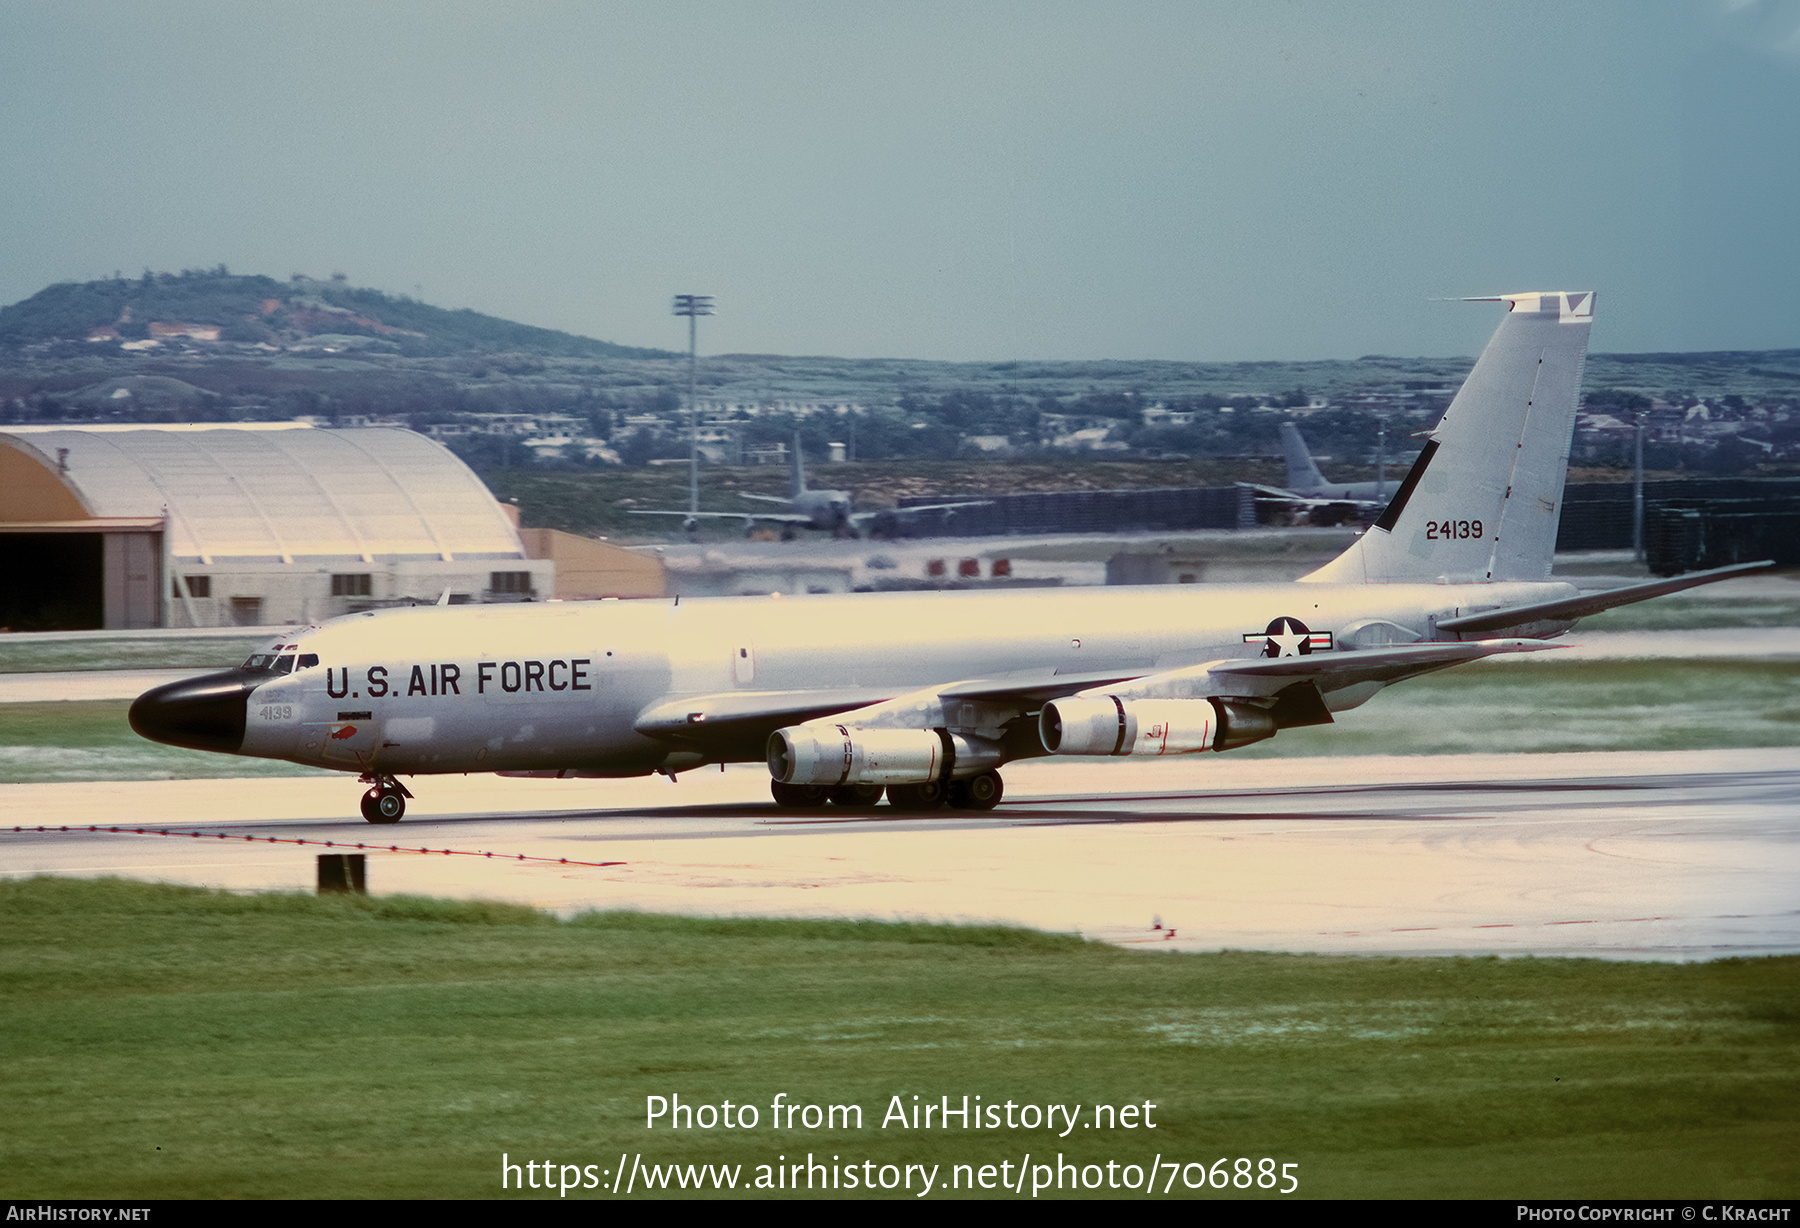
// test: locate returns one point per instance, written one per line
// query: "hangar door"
(79, 579)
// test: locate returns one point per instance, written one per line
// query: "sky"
(962, 181)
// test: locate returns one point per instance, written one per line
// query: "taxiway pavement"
(1690, 855)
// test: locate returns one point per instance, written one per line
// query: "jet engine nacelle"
(1109, 725)
(831, 754)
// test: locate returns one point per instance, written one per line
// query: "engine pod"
(826, 753)
(1109, 725)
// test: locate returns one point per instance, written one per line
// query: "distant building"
(122, 527)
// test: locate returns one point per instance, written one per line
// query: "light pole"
(693, 306)
(1381, 460)
(1637, 491)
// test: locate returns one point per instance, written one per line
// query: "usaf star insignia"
(1289, 637)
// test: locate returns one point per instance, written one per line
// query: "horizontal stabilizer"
(1592, 603)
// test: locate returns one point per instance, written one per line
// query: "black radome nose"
(204, 713)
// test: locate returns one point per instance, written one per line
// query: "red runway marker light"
(392, 848)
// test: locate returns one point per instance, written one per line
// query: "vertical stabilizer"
(799, 475)
(1483, 500)
(1303, 475)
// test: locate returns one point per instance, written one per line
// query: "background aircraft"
(924, 696)
(1308, 491)
(825, 510)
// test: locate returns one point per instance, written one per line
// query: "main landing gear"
(981, 792)
(385, 802)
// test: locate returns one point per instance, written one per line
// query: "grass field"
(1700, 609)
(1538, 704)
(91, 740)
(26, 655)
(168, 1042)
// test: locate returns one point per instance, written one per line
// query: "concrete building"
(207, 526)
(587, 570)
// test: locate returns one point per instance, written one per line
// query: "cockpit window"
(282, 661)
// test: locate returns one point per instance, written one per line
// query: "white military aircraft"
(926, 695)
(827, 510)
(1308, 491)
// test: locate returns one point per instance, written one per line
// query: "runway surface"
(1691, 855)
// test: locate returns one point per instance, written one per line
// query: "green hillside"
(260, 309)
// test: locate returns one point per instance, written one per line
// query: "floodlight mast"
(693, 306)
(1637, 491)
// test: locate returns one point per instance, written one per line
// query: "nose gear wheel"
(385, 802)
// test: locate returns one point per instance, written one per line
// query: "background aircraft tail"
(799, 474)
(1483, 500)
(1303, 474)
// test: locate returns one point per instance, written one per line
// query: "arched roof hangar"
(218, 526)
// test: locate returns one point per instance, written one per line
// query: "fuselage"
(561, 686)
(829, 509)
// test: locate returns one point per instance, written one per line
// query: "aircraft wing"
(1294, 689)
(737, 716)
(741, 721)
(943, 507)
(863, 517)
(1275, 494)
(732, 717)
(783, 517)
(1592, 603)
(1332, 671)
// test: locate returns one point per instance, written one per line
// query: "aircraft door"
(743, 664)
(350, 740)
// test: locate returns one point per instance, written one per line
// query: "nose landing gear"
(385, 802)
